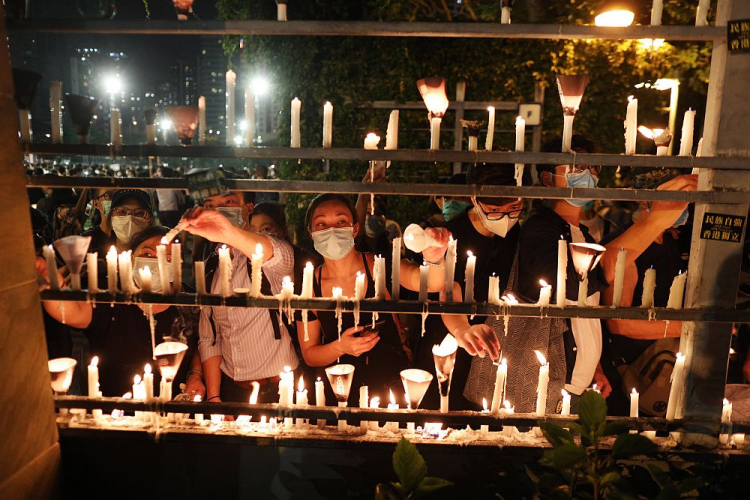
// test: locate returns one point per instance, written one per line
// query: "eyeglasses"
(497, 213)
(138, 213)
(594, 169)
(105, 196)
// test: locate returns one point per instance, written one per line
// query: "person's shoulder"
(540, 221)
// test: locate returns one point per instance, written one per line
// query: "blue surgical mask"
(583, 179)
(682, 219)
(453, 208)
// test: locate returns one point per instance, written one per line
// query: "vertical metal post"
(714, 267)
(458, 134)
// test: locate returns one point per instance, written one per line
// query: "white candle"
(202, 120)
(650, 435)
(562, 268)
(92, 269)
(649, 285)
(176, 252)
(364, 402)
(327, 125)
(676, 291)
(249, 116)
(281, 11)
(359, 294)
(565, 403)
(541, 396)
(619, 277)
(225, 271)
(320, 399)
(520, 146)
(677, 382)
(112, 269)
(424, 277)
(198, 416)
(161, 259)
(505, 15)
(499, 391)
(686, 141)
(115, 133)
(484, 430)
(583, 291)
(435, 132)
(490, 128)
(379, 277)
(634, 400)
(396, 269)
(55, 96)
(295, 137)
(699, 151)
(544, 294)
(393, 405)
(656, 10)
(567, 138)
(739, 440)
(257, 272)
(301, 400)
(391, 135)
(93, 375)
(126, 272)
(231, 80)
(49, 256)
(145, 275)
(374, 404)
(200, 277)
(493, 290)
(371, 141)
(450, 268)
(337, 294)
(631, 125)
(471, 263)
(726, 418)
(702, 12)
(148, 382)
(509, 410)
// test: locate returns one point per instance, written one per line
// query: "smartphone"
(370, 329)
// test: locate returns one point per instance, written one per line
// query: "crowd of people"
(233, 349)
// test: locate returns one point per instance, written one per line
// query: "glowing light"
(260, 85)
(541, 358)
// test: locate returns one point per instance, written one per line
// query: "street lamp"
(616, 13)
(260, 85)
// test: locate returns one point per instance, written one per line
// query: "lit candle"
(656, 10)
(176, 252)
(55, 96)
(92, 269)
(359, 294)
(327, 125)
(505, 14)
(544, 294)
(225, 271)
(631, 125)
(320, 399)
(484, 430)
(739, 440)
(541, 391)
(726, 418)
(676, 291)
(471, 262)
(699, 150)
(649, 285)
(450, 268)
(686, 141)
(295, 138)
(634, 401)
(520, 146)
(372, 140)
(202, 120)
(619, 277)
(562, 268)
(493, 290)
(424, 276)
(499, 391)
(126, 272)
(490, 128)
(148, 382)
(583, 291)
(379, 277)
(93, 375)
(435, 132)
(565, 403)
(396, 269)
(198, 416)
(145, 274)
(249, 116)
(49, 256)
(364, 402)
(701, 16)
(138, 394)
(231, 80)
(391, 135)
(115, 134)
(509, 410)
(393, 405)
(257, 272)
(301, 400)
(200, 277)
(375, 404)
(161, 258)
(677, 382)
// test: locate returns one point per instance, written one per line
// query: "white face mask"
(234, 214)
(127, 226)
(153, 266)
(334, 243)
(499, 227)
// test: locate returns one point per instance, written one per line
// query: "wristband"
(439, 264)
(195, 372)
(209, 399)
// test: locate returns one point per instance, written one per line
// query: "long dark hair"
(147, 234)
(320, 199)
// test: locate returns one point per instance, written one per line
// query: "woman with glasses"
(130, 212)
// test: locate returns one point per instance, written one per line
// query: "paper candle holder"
(433, 93)
(472, 127)
(183, 8)
(184, 122)
(169, 356)
(416, 382)
(73, 251)
(444, 356)
(61, 374)
(340, 378)
(585, 257)
(81, 110)
(416, 239)
(571, 88)
(149, 115)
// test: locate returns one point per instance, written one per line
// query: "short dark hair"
(147, 234)
(323, 198)
(578, 143)
(272, 209)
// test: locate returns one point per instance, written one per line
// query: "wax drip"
(304, 323)
(152, 327)
(652, 314)
(424, 316)
(666, 327)
(338, 316)
(62, 311)
(356, 312)
(506, 319)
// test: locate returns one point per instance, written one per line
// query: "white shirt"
(588, 336)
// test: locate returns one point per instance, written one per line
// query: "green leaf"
(567, 455)
(627, 445)
(592, 409)
(555, 434)
(609, 477)
(409, 465)
(615, 428)
(430, 485)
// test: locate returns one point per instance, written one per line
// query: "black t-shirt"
(100, 242)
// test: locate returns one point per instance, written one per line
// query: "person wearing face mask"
(101, 235)
(378, 356)
(120, 335)
(130, 213)
(236, 206)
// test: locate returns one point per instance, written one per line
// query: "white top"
(588, 336)
(169, 199)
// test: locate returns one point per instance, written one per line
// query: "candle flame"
(565, 393)
(259, 249)
(484, 403)
(374, 402)
(287, 369)
(164, 241)
(301, 384)
(309, 265)
(726, 401)
(520, 120)
(541, 358)
(286, 280)
(469, 254)
(112, 252)
(319, 379)
(680, 356)
(393, 398)
(147, 368)
(647, 132)
(127, 395)
(594, 387)
(503, 362)
(543, 283)
(630, 98)
(634, 392)
(507, 405)
(94, 361)
(137, 380)
(197, 398)
(490, 108)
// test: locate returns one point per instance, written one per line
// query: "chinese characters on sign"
(722, 227)
(738, 35)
